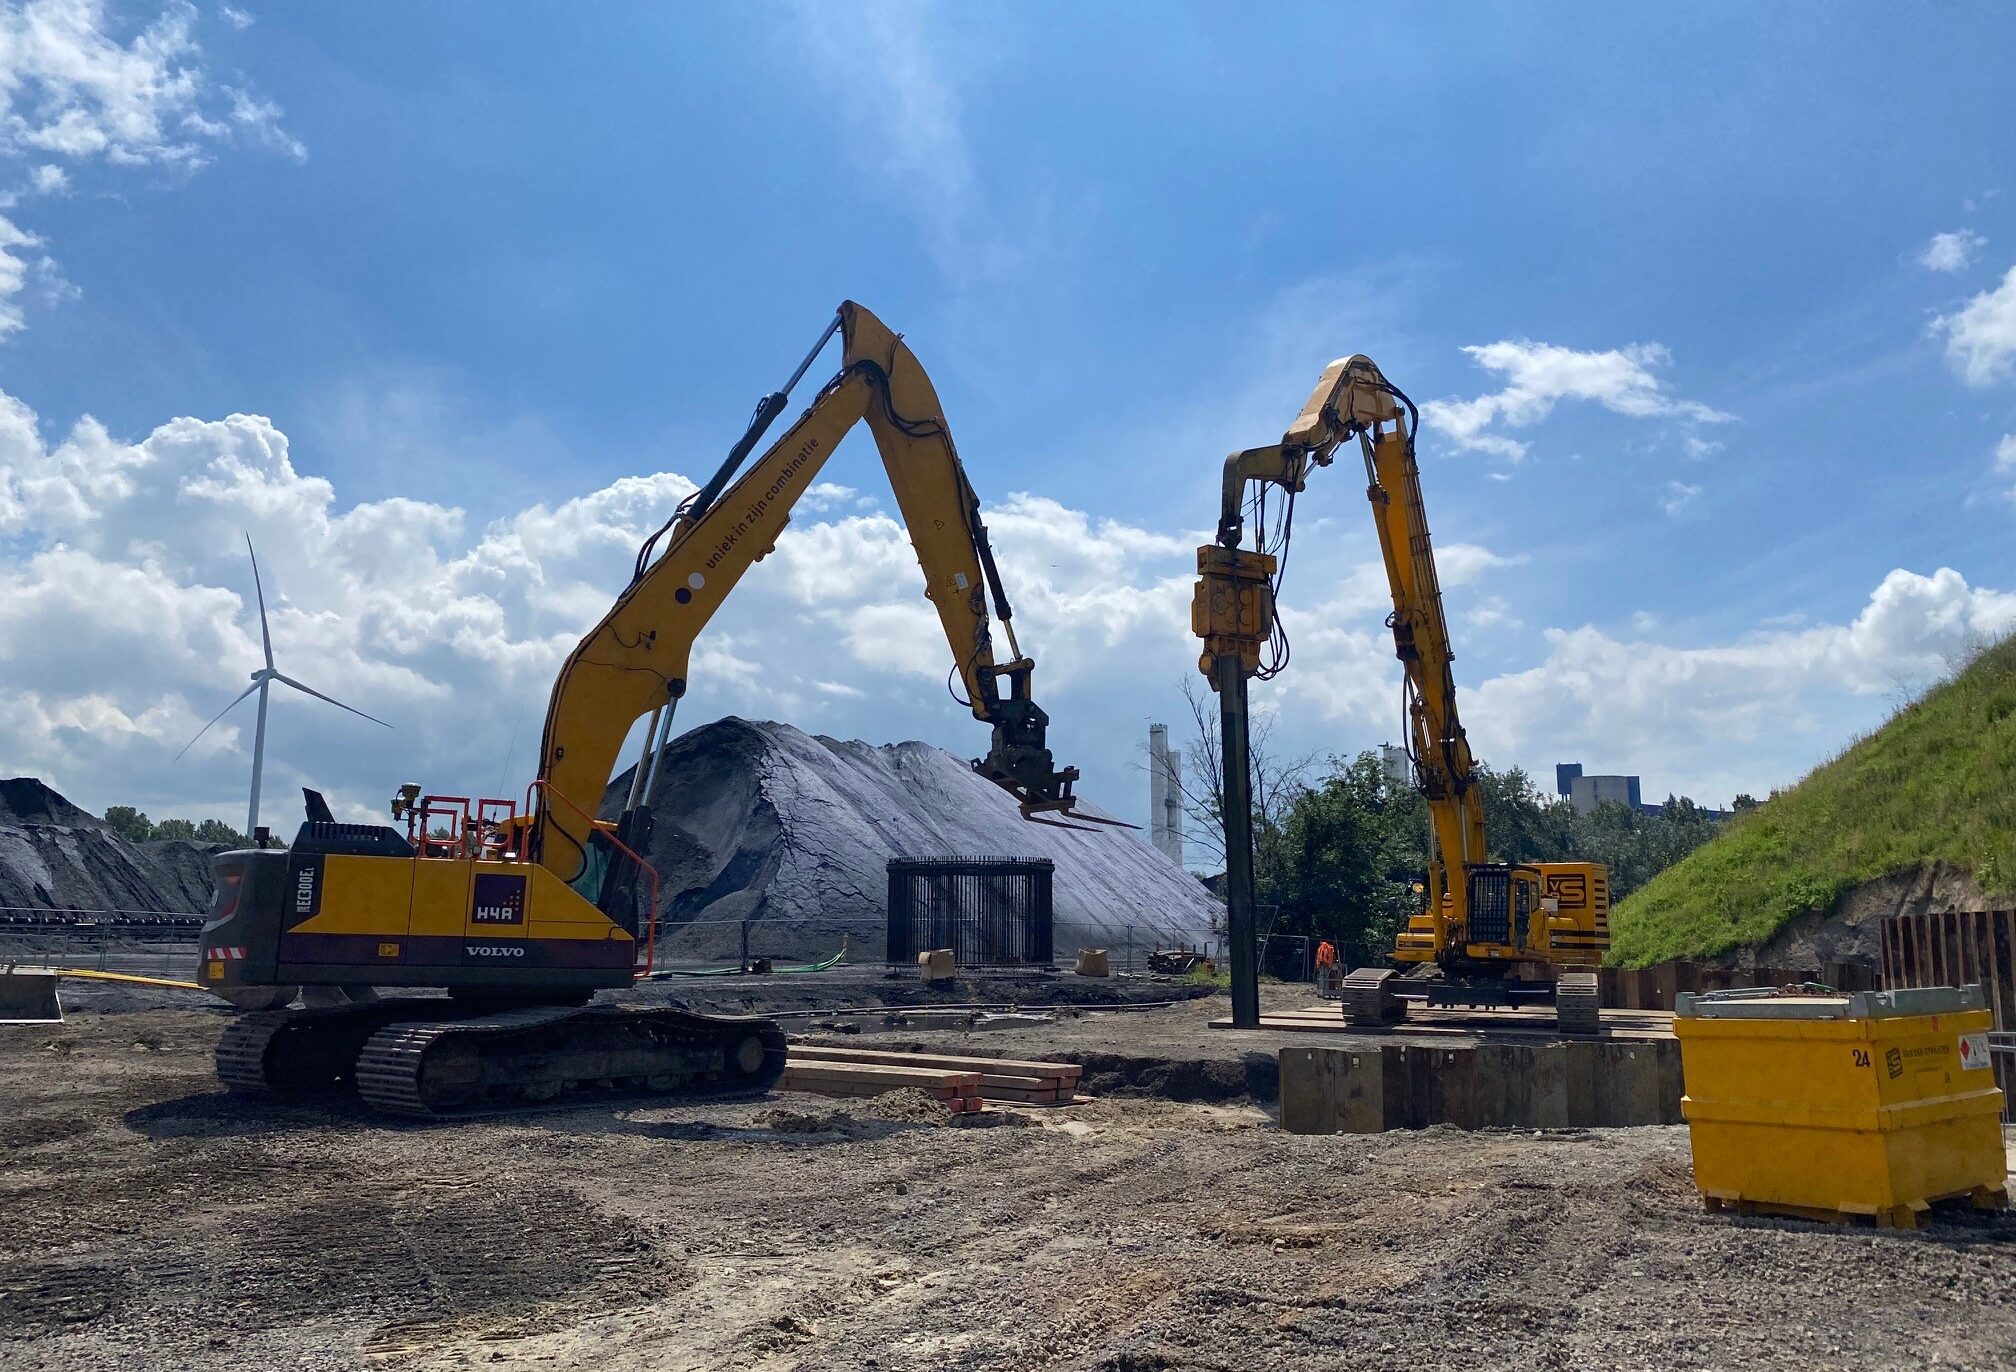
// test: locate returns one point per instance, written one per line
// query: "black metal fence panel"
(990, 911)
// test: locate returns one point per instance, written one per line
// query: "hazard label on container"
(1973, 1052)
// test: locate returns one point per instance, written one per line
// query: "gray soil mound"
(761, 821)
(55, 857)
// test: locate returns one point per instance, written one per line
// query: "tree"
(1348, 857)
(129, 823)
(134, 826)
(217, 831)
(1276, 782)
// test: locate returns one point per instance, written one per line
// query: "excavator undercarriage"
(431, 1057)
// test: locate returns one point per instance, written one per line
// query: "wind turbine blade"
(220, 714)
(264, 636)
(331, 699)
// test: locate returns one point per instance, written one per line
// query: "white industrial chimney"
(1165, 794)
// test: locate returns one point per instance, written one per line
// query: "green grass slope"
(1937, 783)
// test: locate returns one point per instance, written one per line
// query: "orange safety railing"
(650, 939)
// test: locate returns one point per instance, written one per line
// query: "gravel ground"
(155, 1223)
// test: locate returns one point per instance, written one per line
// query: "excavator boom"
(636, 661)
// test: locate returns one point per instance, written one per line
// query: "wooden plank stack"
(961, 1082)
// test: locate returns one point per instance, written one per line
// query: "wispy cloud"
(1677, 496)
(80, 87)
(1539, 375)
(1981, 335)
(1952, 252)
(896, 72)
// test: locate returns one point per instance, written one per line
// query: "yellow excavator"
(521, 912)
(1490, 933)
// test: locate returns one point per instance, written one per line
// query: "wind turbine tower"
(262, 680)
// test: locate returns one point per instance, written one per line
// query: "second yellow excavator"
(522, 913)
(1491, 933)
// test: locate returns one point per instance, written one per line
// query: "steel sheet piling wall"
(1954, 948)
(989, 911)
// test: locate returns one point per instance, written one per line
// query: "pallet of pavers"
(956, 1091)
(1006, 1080)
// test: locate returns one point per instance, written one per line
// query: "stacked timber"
(870, 1071)
(958, 1092)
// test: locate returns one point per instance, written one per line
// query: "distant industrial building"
(1393, 762)
(1165, 794)
(1586, 792)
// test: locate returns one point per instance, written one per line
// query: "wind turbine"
(261, 680)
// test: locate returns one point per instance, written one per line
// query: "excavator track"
(429, 1058)
(285, 1054)
(541, 1055)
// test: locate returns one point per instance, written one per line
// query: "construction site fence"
(1959, 948)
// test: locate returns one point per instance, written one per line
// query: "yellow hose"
(122, 976)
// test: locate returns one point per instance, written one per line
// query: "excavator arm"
(637, 661)
(1233, 614)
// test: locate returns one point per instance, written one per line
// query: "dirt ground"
(153, 1222)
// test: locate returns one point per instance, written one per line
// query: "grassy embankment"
(1937, 783)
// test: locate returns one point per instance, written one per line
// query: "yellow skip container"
(1827, 1106)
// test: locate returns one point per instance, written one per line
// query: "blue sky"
(1733, 282)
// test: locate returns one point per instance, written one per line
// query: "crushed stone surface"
(158, 1224)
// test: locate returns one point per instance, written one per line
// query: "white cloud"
(1492, 612)
(1981, 335)
(1677, 496)
(235, 17)
(1747, 715)
(830, 495)
(1952, 252)
(2005, 459)
(18, 257)
(125, 618)
(72, 89)
(1538, 375)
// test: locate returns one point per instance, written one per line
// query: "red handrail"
(637, 971)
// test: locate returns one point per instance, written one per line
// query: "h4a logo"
(497, 898)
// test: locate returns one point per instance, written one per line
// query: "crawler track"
(418, 1058)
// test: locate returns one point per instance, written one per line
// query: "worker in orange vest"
(1326, 955)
